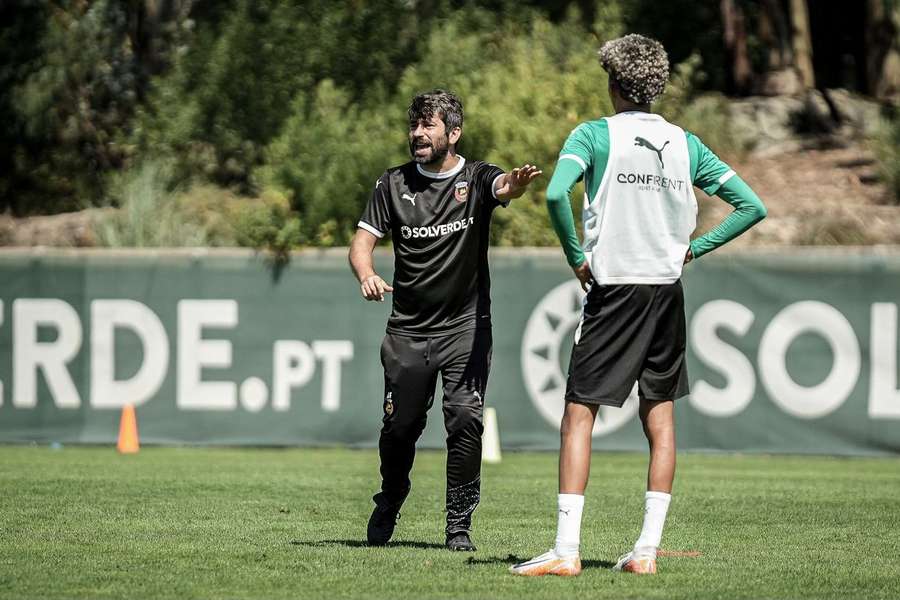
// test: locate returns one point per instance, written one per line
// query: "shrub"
(149, 214)
(887, 151)
(525, 83)
(268, 224)
(329, 156)
(833, 230)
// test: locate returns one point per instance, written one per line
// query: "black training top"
(440, 223)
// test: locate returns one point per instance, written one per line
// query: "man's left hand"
(584, 275)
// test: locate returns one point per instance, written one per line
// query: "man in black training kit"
(437, 209)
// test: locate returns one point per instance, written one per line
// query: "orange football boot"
(549, 563)
(638, 564)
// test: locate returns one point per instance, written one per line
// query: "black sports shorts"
(629, 333)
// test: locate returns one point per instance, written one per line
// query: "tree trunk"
(775, 35)
(883, 48)
(154, 30)
(735, 38)
(802, 43)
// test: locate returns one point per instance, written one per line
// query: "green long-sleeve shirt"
(585, 155)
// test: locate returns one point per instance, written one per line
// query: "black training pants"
(411, 367)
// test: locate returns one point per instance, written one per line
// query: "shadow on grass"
(363, 544)
(512, 559)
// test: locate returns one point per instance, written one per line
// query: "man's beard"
(438, 151)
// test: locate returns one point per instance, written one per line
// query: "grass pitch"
(235, 523)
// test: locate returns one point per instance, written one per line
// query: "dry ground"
(823, 194)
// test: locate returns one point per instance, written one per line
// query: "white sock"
(656, 504)
(568, 527)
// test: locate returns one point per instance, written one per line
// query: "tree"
(883, 48)
(801, 43)
(735, 40)
(71, 102)
(20, 50)
(155, 28)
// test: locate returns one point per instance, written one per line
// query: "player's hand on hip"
(689, 256)
(583, 273)
(374, 287)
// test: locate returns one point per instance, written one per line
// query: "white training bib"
(637, 227)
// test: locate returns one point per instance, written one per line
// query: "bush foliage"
(150, 214)
(274, 118)
(887, 149)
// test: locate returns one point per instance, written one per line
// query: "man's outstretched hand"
(520, 177)
(513, 184)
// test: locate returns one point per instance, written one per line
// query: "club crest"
(389, 404)
(461, 191)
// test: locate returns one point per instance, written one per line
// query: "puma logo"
(412, 198)
(639, 141)
(565, 511)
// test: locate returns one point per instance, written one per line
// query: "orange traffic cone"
(128, 433)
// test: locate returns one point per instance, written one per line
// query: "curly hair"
(638, 65)
(437, 103)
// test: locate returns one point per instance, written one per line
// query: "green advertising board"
(789, 352)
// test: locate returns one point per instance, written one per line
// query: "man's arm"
(748, 211)
(512, 184)
(716, 178)
(566, 175)
(372, 286)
